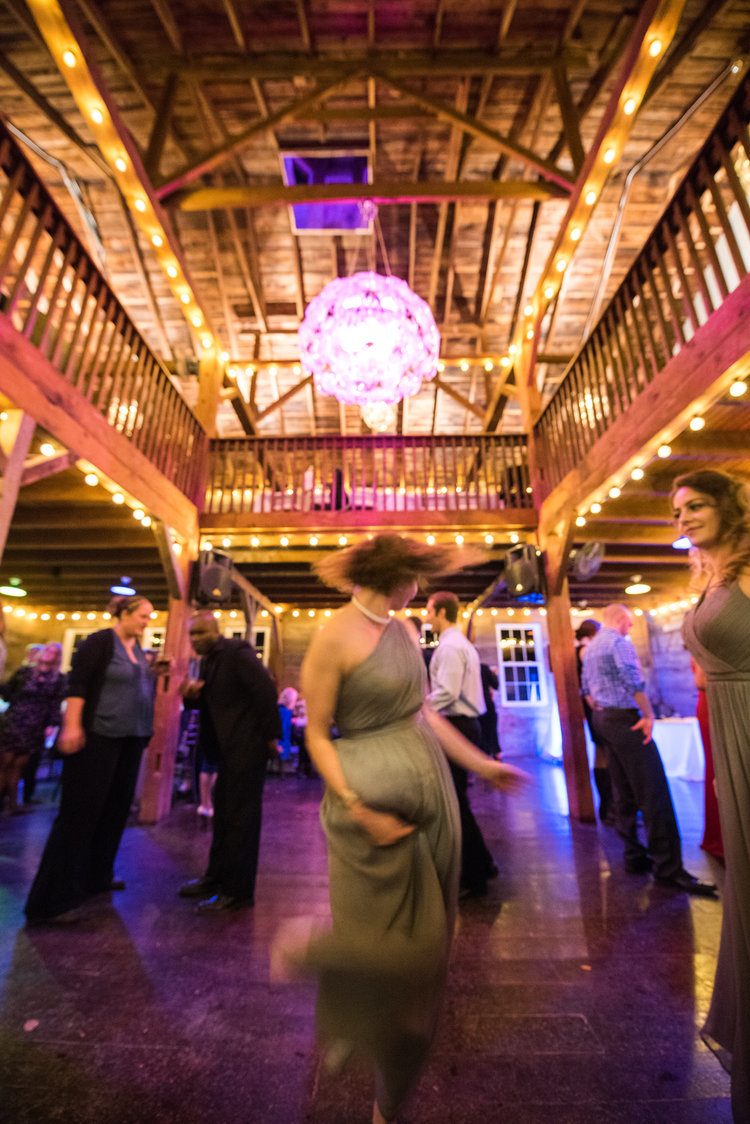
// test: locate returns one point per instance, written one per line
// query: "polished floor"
(575, 992)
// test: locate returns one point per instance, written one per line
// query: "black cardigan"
(88, 671)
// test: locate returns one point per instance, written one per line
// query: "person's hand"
(646, 725)
(190, 688)
(71, 740)
(506, 778)
(383, 828)
(163, 665)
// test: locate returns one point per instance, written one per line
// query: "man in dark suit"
(239, 726)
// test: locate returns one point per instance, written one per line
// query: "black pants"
(477, 864)
(98, 784)
(639, 784)
(28, 776)
(238, 810)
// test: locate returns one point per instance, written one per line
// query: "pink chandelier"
(368, 339)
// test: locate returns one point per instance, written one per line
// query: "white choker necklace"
(371, 616)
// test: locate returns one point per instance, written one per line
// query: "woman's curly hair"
(385, 562)
(732, 498)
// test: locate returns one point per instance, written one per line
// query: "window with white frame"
(261, 638)
(521, 663)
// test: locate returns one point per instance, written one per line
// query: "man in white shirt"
(456, 693)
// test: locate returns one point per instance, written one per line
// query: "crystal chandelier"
(368, 339)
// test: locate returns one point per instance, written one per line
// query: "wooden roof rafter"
(223, 152)
(475, 128)
(656, 24)
(454, 62)
(60, 28)
(380, 192)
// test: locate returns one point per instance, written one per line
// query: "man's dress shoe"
(689, 883)
(223, 903)
(198, 888)
(108, 887)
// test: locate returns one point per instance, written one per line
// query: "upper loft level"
(665, 349)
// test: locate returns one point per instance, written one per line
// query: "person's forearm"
(73, 716)
(455, 746)
(326, 761)
(643, 703)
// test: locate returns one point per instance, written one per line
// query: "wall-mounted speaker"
(524, 573)
(212, 578)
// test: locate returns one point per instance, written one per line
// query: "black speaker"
(212, 578)
(524, 573)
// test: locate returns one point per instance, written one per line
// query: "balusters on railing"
(696, 256)
(297, 474)
(53, 294)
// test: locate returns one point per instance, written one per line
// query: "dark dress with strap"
(717, 633)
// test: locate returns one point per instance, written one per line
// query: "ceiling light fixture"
(368, 338)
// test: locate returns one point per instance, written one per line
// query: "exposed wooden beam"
(281, 399)
(446, 388)
(161, 127)
(103, 29)
(569, 116)
(168, 22)
(39, 468)
(144, 276)
(221, 154)
(657, 19)
(422, 63)
(35, 386)
(58, 24)
(57, 119)
(174, 565)
(476, 128)
(304, 26)
(234, 23)
(16, 434)
(385, 191)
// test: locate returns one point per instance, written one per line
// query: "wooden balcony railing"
(400, 474)
(53, 294)
(697, 254)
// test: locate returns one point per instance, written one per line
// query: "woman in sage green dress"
(713, 511)
(390, 817)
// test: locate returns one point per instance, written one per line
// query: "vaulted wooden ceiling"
(475, 121)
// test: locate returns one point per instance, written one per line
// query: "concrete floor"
(575, 992)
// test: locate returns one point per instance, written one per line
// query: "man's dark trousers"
(477, 864)
(238, 810)
(639, 783)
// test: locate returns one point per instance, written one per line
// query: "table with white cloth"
(680, 747)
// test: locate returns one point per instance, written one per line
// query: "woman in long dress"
(390, 817)
(713, 511)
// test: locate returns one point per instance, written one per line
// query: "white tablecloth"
(680, 747)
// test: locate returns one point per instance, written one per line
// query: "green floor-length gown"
(717, 632)
(382, 967)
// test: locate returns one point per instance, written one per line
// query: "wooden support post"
(158, 774)
(210, 381)
(556, 542)
(16, 434)
(563, 664)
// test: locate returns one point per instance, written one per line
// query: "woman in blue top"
(107, 723)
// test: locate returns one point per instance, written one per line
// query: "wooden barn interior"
(564, 186)
(564, 183)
